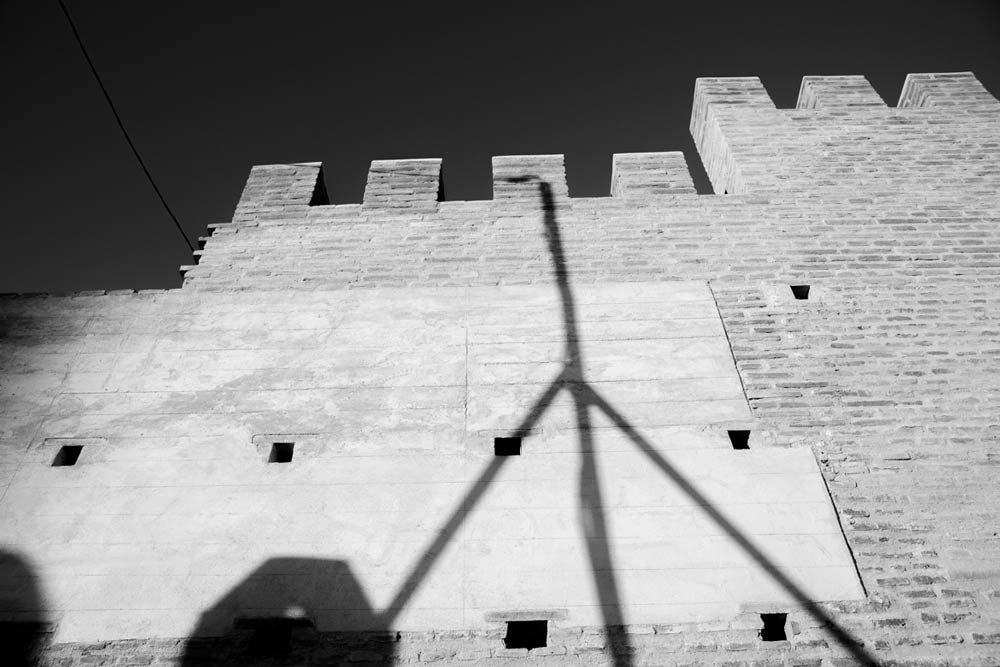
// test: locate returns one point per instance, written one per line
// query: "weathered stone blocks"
(407, 185)
(837, 92)
(647, 174)
(887, 372)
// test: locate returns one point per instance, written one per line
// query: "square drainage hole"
(281, 452)
(740, 439)
(507, 446)
(67, 456)
(526, 634)
(800, 292)
(774, 627)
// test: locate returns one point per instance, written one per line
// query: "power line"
(121, 126)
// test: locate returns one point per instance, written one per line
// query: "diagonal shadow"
(464, 508)
(591, 505)
(839, 633)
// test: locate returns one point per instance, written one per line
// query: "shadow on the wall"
(592, 519)
(266, 615)
(271, 618)
(23, 627)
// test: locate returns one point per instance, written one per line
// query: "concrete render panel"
(178, 522)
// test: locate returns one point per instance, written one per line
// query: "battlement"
(644, 174)
(840, 124)
(837, 92)
(841, 132)
(272, 187)
(840, 140)
(404, 184)
(953, 90)
(414, 186)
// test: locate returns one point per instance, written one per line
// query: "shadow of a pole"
(841, 635)
(591, 504)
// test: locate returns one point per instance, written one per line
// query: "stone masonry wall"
(890, 370)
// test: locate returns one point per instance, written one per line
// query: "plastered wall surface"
(886, 375)
(172, 501)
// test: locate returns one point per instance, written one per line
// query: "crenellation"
(407, 185)
(846, 144)
(272, 188)
(644, 174)
(516, 177)
(837, 92)
(959, 90)
(712, 97)
(746, 93)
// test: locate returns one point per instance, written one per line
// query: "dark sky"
(208, 89)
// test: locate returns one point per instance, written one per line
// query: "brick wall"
(888, 371)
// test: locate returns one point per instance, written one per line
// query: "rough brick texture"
(889, 371)
(837, 92)
(643, 174)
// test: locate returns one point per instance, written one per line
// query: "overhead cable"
(121, 126)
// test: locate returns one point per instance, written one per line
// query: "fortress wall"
(938, 137)
(888, 371)
(781, 236)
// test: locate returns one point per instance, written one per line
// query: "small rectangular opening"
(281, 452)
(800, 292)
(67, 456)
(510, 446)
(774, 627)
(526, 634)
(740, 439)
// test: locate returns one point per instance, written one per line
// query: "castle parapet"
(837, 92)
(949, 89)
(742, 93)
(272, 188)
(746, 92)
(641, 174)
(516, 177)
(842, 136)
(405, 185)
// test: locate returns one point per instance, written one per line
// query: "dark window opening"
(507, 446)
(774, 627)
(281, 452)
(740, 439)
(67, 455)
(800, 292)
(526, 634)
(270, 637)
